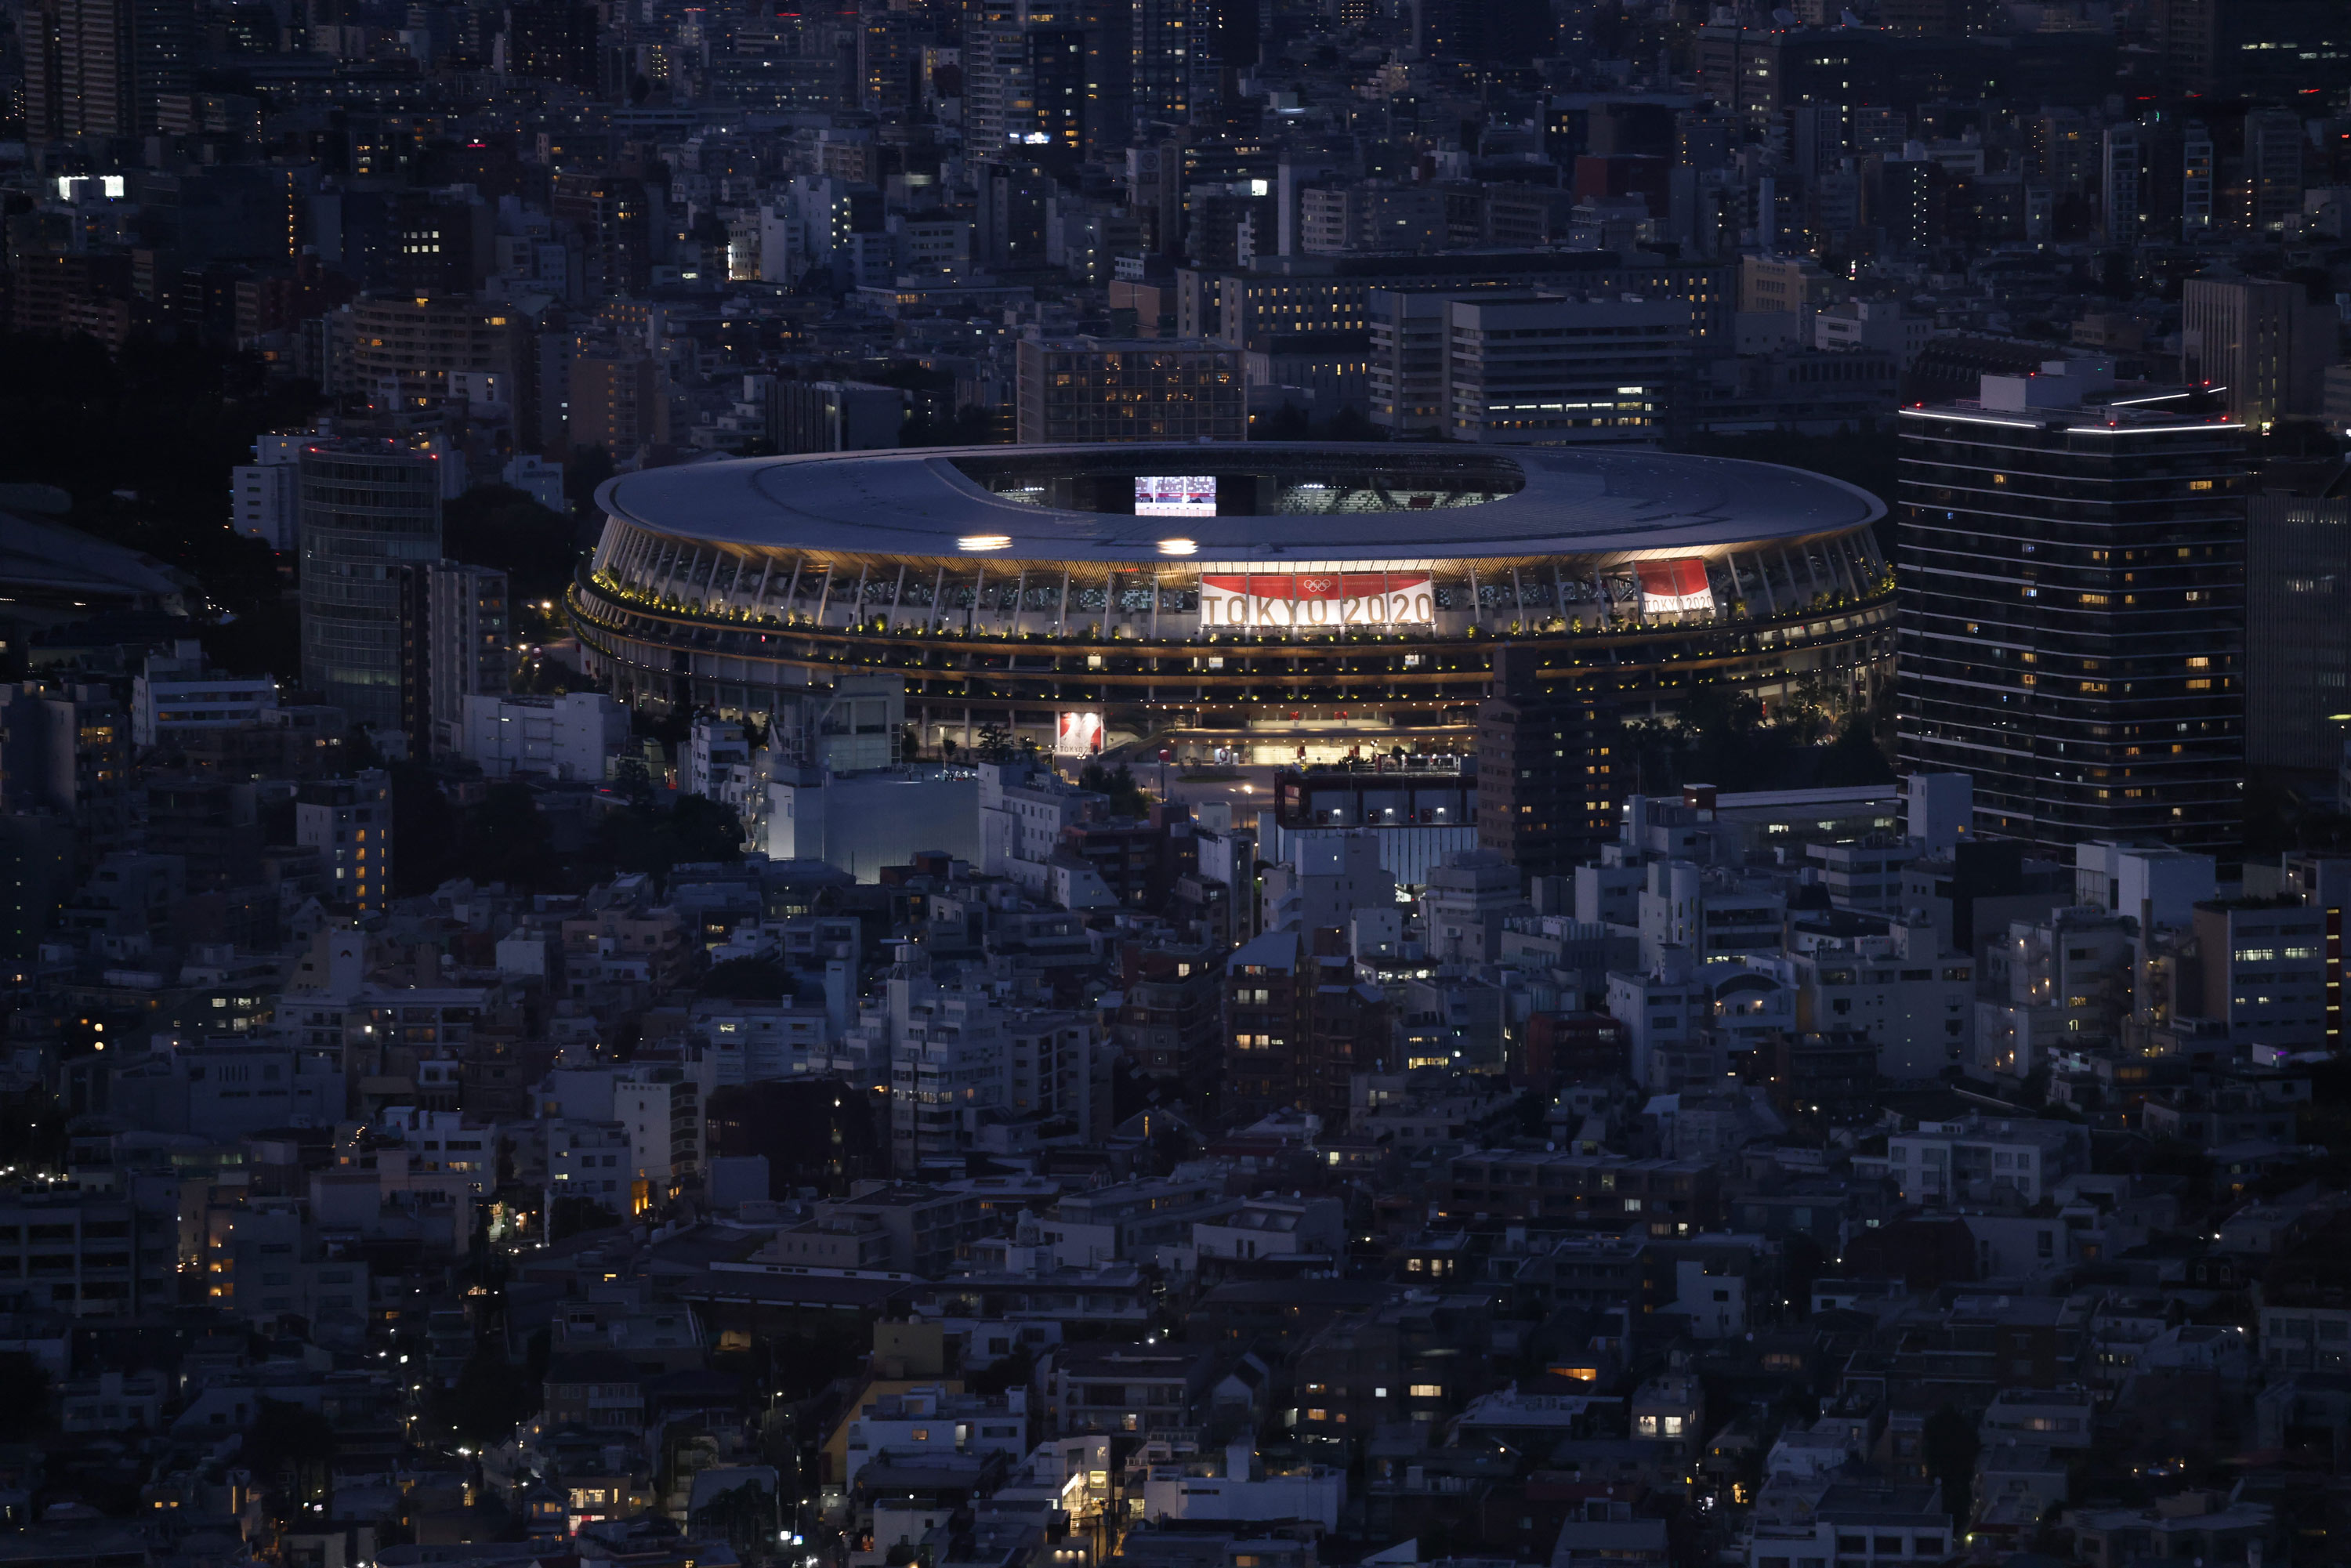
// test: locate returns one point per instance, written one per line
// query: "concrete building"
(2261, 967)
(348, 822)
(864, 822)
(468, 648)
(176, 695)
(265, 494)
(2080, 656)
(565, 737)
(2263, 343)
(1981, 1158)
(1090, 390)
(1549, 370)
(367, 507)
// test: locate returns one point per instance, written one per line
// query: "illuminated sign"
(1674, 585)
(1077, 735)
(1306, 600)
(1175, 495)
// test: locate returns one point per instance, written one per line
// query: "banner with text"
(1312, 600)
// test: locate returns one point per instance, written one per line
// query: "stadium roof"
(1518, 501)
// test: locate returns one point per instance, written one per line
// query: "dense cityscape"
(1174, 784)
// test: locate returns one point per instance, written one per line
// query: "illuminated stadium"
(1250, 603)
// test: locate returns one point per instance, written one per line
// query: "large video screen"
(1175, 495)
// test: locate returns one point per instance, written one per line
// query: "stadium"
(1259, 603)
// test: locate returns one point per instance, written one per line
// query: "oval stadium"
(1258, 604)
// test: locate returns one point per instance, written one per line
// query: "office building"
(2072, 626)
(1024, 71)
(101, 68)
(66, 749)
(176, 695)
(552, 41)
(265, 494)
(1546, 370)
(566, 738)
(2262, 344)
(463, 649)
(87, 1256)
(616, 402)
(2298, 624)
(1088, 390)
(1549, 763)
(413, 353)
(2275, 49)
(834, 416)
(348, 822)
(2269, 970)
(370, 508)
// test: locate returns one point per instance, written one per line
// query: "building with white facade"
(175, 695)
(1983, 1158)
(933, 1419)
(863, 821)
(265, 494)
(659, 1107)
(564, 738)
(1667, 1010)
(589, 1159)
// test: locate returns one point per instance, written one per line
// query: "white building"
(1983, 1158)
(1023, 809)
(1467, 900)
(960, 1063)
(1667, 1011)
(1916, 1003)
(175, 695)
(265, 494)
(1708, 915)
(932, 1420)
(2155, 886)
(589, 1159)
(1880, 324)
(1273, 1226)
(1328, 877)
(565, 737)
(863, 821)
(1233, 1487)
(661, 1110)
(717, 759)
(537, 477)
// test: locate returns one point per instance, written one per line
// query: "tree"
(24, 1398)
(1126, 797)
(746, 1515)
(291, 1448)
(425, 826)
(748, 979)
(489, 1399)
(588, 469)
(497, 526)
(647, 840)
(1950, 1446)
(507, 839)
(196, 410)
(573, 1214)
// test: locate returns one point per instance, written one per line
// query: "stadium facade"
(1257, 603)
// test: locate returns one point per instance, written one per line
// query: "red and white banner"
(1078, 734)
(1667, 586)
(1309, 600)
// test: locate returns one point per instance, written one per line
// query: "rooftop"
(1337, 504)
